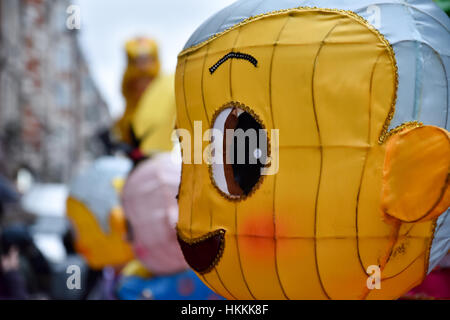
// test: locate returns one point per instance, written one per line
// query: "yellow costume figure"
(143, 67)
(149, 117)
(351, 194)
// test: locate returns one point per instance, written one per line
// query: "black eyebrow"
(234, 55)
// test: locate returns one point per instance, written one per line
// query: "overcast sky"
(107, 24)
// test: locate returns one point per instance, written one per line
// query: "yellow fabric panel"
(294, 216)
(417, 167)
(412, 242)
(339, 183)
(232, 274)
(340, 281)
(297, 268)
(154, 118)
(193, 86)
(245, 78)
(222, 211)
(372, 250)
(314, 28)
(394, 287)
(343, 119)
(231, 271)
(335, 222)
(256, 235)
(216, 89)
(98, 248)
(382, 93)
(294, 196)
(185, 199)
(292, 99)
(258, 262)
(201, 209)
(182, 119)
(214, 283)
(373, 233)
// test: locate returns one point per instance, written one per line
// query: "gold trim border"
(402, 127)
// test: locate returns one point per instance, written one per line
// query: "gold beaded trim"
(191, 241)
(236, 104)
(402, 127)
(274, 13)
(351, 14)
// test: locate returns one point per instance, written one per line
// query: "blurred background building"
(50, 109)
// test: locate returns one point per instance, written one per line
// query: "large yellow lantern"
(357, 181)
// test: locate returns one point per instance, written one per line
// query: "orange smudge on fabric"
(258, 248)
(258, 225)
(256, 236)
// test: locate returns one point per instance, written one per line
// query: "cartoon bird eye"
(243, 152)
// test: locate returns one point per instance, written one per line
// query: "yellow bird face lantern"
(357, 164)
(96, 215)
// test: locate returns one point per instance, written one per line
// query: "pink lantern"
(150, 205)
